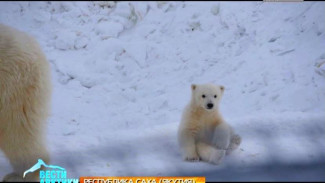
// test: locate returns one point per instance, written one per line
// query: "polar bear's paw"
(13, 177)
(235, 140)
(234, 144)
(193, 158)
(217, 156)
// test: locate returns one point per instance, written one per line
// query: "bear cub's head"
(207, 96)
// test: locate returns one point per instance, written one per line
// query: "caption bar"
(142, 179)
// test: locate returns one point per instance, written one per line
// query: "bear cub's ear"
(193, 86)
(222, 88)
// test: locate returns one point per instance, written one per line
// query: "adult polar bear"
(203, 134)
(25, 92)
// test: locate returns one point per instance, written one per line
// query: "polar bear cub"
(25, 93)
(203, 134)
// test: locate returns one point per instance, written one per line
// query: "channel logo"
(56, 174)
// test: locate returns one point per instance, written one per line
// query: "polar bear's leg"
(234, 143)
(222, 136)
(23, 151)
(187, 145)
(22, 139)
(23, 113)
(209, 153)
(25, 93)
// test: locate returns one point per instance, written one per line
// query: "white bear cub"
(203, 134)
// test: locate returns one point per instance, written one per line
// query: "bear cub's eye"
(203, 96)
(215, 96)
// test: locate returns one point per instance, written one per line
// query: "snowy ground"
(122, 74)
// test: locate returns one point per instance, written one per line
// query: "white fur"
(25, 91)
(203, 134)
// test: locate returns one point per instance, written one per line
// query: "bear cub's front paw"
(217, 156)
(234, 144)
(194, 158)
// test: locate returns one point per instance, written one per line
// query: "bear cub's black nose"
(210, 106)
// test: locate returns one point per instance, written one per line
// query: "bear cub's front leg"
(188, 146)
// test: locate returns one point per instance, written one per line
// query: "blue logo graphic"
(57, 174)
(38, 166)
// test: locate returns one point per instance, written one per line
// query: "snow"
(122, 72)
